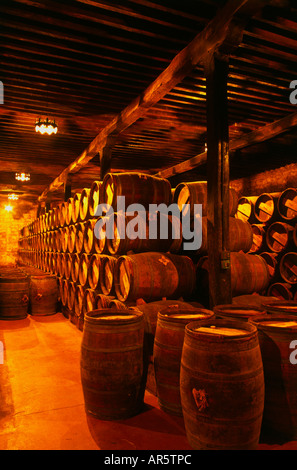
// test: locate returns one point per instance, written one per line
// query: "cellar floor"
(42, 405)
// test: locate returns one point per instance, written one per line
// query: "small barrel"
(288, 267)
(280, 290)
(277, 338)
(191, 193)
(43, 295)
(167, 353)
(138, 188)
(95, 197)
(222, 385)
(152, 276)
(287, 204)
(102, 301)
(106, 276)
(271, 260)
(83, 270)
(238, 312)
(259, 238)
(112, 347)
(265, 208)
(246, 208)
(279, 237)
(14, 296)
(84, 213)
(94, 271)
(75, 208)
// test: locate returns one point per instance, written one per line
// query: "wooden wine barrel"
(145, 237)
(89, 301)
(69, 210)
(196, 193)
(70, 294)
(281, 307)
(246, 209)
(287, 204)
(63, 212)
(64, 292)
(167, 353)
(75, 208)
(67, 265)
(276, 332)
(71, 242)
(74, 269)
(84, 213)
(100, 245)
(94, 271)
(279, 237)
(78, 301)
(112, 346)
(288, 267)
(63, 264)
(138, 188)
(59, 235)
(102, 301)
(89, 237)
(259, 238)
(220, 397)
(95, 197)
(117, 305)
(252, 300)
(249, 273)
(240, 235)
(152, 276)
(238, 312)
(83, 270)
(79, 237)
(106, 276)
(280, 290)
(64, 239)
(265, 208)
(43, 295)
(272, 263)
(14, 296)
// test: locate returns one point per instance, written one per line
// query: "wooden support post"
(67, 187)
(216, 70)
(47, 205)
(106, 155)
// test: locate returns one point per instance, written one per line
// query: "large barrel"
(288, 267)
(265, 209)
(276, 333)
(43, 295)
(137, 233)
(136, 188)
(280, 290)
(195, 192)
(222, 385)
(167, 353)
(271, 260)
(240, 235)
(287, 204)
(249, 274)
(279, 237)
(14, 296)
(95, 197)
(112, 369)
(238, 312)
(152, 276)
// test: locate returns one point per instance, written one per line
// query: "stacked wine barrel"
(97, 270)
(273, 219)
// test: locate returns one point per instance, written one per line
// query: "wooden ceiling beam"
(260, 135)
(212, 36)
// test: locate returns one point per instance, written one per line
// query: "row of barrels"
(255, 382)
(268, 207)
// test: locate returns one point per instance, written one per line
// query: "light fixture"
(13, 196)
(46, 126)
(22, 176)
(8, 208)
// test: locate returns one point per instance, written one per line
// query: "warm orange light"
(22, 176)
(8, 208)
(46, 126)
(13, 196)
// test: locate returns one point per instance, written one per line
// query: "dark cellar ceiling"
(82, 62)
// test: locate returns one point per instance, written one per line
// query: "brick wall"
(9, 234)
